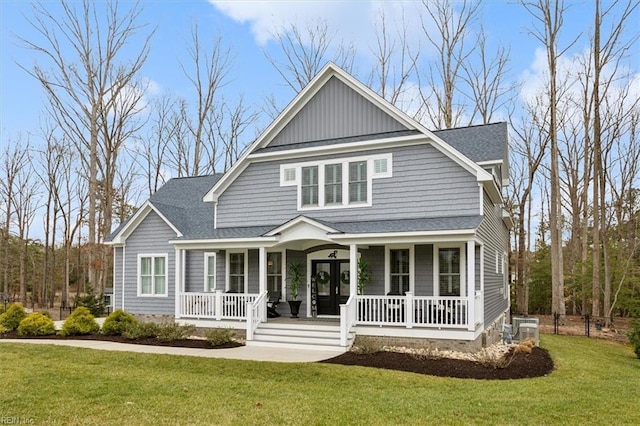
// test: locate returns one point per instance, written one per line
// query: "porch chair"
(272, 304)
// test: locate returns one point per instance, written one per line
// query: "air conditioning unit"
(528, 330)
(516, 321)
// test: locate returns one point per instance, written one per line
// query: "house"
(339, 177)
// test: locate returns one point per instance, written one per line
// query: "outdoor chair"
(272, 304)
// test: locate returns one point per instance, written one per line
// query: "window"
(333, 184)
(288, 175)
(449, 271)
(380, 166)
(358, 182)
(152, 275)
(236, 272)
(210, 272)
(274, 272)
(399, 271)
(310, 186)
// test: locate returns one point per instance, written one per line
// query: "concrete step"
(300, 326)
(296, 332)
(289, 345)
(300, 336)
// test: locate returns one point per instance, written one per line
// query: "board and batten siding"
(493, 233)
(425, 183)
(150, 237)
(348, 113)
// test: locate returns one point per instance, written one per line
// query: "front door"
(332, 281)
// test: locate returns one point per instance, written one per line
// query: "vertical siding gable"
(336, 111)
(150, 237)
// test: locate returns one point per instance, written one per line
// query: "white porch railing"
(256, 313)
(479, 307)
(215, 305)
(347, 319)
(441, 312)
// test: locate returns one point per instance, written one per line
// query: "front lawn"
(595, 382)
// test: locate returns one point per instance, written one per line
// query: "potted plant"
(364, 275)
(295, 277)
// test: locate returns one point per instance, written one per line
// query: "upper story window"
(331, 184)
(309, 186)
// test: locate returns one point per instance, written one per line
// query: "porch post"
(262, 269)
(471, 285)
(353, 269)
(178, 280)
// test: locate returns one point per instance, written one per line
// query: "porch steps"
(310, 336)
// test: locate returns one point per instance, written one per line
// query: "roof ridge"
(470, 126)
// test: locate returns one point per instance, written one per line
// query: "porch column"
(178, 280)
(262, 269)
(353, 269)
(471, 285)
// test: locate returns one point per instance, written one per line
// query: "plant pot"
(294, 306)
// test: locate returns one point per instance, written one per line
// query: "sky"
(247, 27)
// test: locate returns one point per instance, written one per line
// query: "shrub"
(91, 301)
(79, 322)
(367, 345)
(36, 324)
(141, 330)
(2, 330)
(10, 320)
(169, 331)
(219, 336)
(117, 322)
(634, 336)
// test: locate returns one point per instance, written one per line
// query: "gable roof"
(179, 203)
(329, 71)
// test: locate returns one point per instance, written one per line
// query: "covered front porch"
(416, 283)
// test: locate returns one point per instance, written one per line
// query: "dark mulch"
(152, 341)
(518, 366)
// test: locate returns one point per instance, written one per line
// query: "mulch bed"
(152, 341)
(520, 366)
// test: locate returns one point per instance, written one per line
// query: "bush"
(141, 330)
(117, 322)
(10, 320)
(219, 336)
(634, 336)
(170, 331)
(91, 301)
(81, 321)
(36, 324)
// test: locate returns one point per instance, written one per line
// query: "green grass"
(595, 382)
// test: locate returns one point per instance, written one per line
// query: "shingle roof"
(428, 224)
(486, 142)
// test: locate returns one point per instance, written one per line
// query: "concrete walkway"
(249, 353)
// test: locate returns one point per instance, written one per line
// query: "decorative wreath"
(322, 277)
(345, 277)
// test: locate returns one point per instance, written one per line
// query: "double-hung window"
(210, 272)
(400, 272)
(449, 271)
(358, 182)
(152, 275)
(236, 272)
(274, 272)
(309, 186)
(333, 184)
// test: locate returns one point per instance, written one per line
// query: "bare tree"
(447, 30)
(87, 67)
(305, 51)
(396, 60)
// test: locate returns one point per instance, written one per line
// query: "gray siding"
(117, 278)
(194, 273)
(254, 271)
(493, 233)
(150, 237)
(375, 258)
(425, 182)
(336, 111)
(424, 270)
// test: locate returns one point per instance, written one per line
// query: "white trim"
(153, 256)
(284, 168)
(341, 254)
(387, 265)
(246, 269)
(505, 275)
(136, 219)
(297, 220)
(215, 215)
(283, 268)
(123, 273)
(321, 185)
(177, 276)
(463, 266)
(497, 264)
(207, 256)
